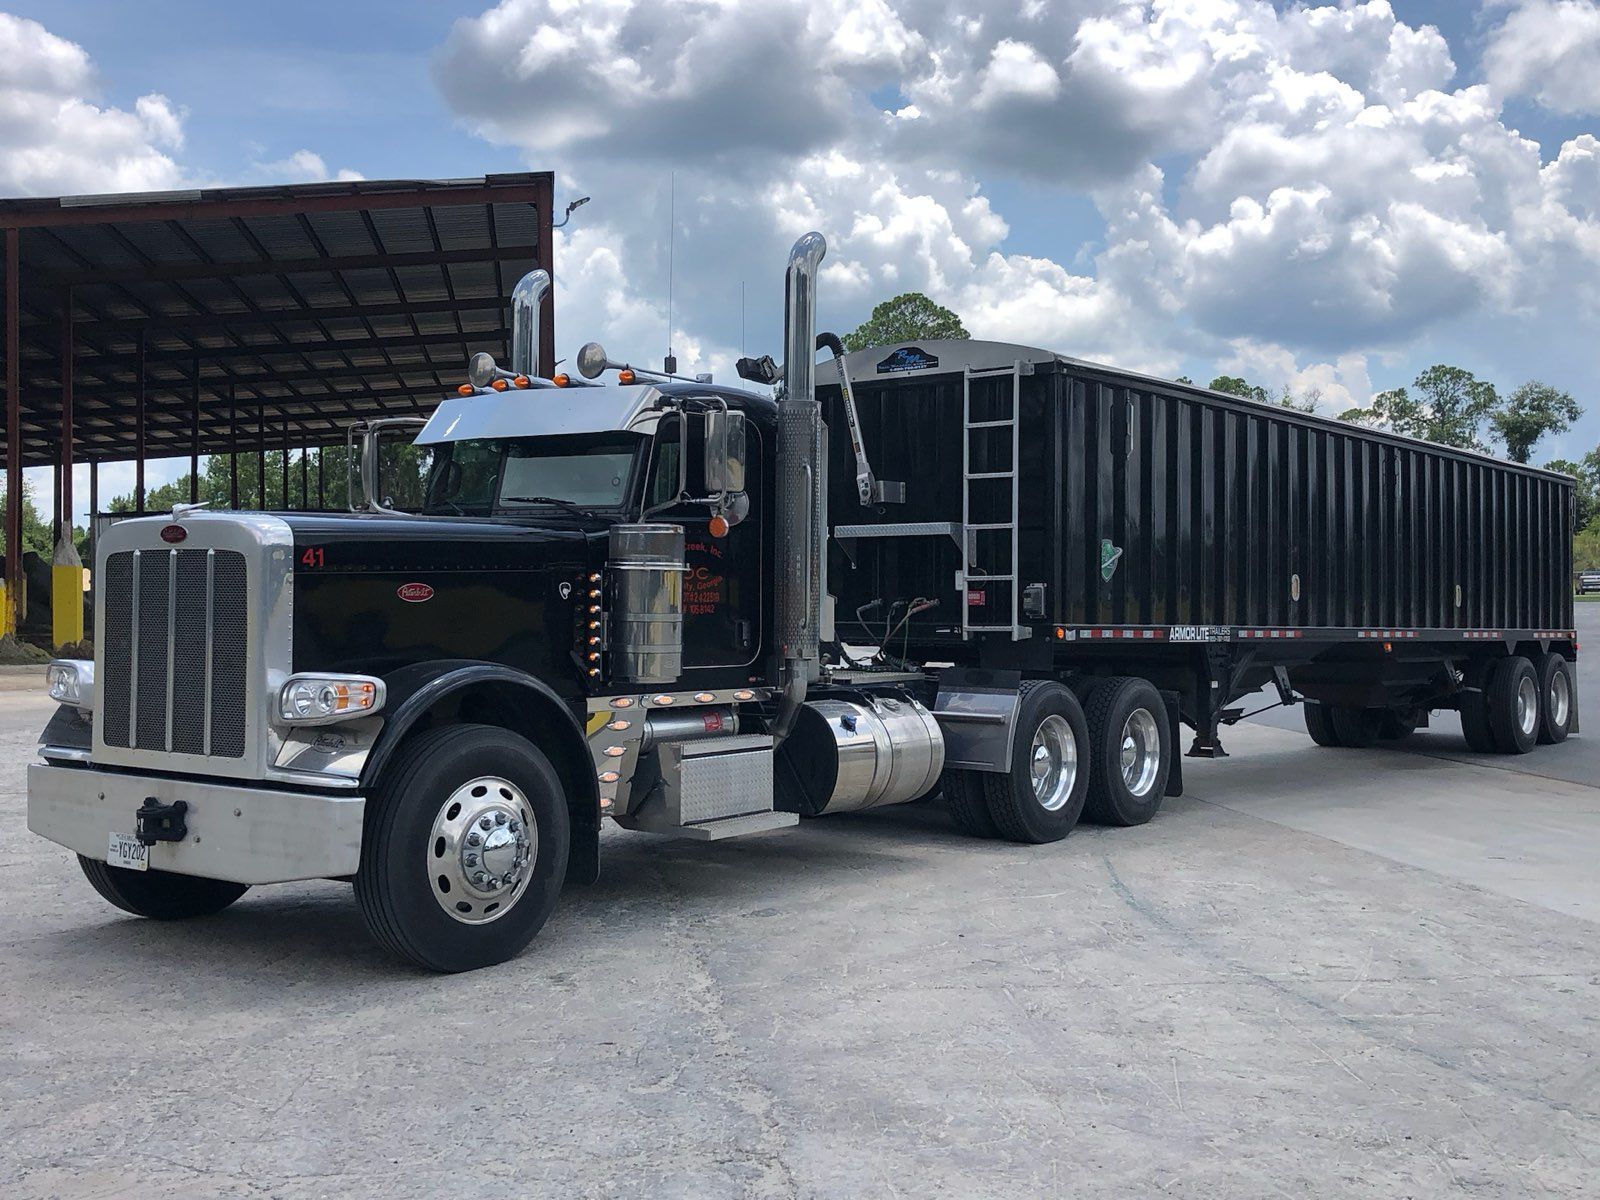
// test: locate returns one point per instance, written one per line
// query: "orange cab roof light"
(466, 389)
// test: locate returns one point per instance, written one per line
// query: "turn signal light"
(718, 527)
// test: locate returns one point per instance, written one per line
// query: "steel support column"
(13, 430)
(138, 435)
(194, 436)
(284, 460)
(261, 455)
(547, 307)
(233, 450)
(67, 434)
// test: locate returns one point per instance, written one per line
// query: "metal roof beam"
(167, 272)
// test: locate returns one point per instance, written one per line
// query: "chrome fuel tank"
(846, 755)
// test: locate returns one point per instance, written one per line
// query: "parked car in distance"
(1588, 581)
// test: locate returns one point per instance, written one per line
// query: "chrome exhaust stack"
(526, 298)
(801, 544)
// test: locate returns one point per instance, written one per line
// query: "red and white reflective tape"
(1271, 633)
(1122, 632)
(1387, 635)
(1482, 635)
(1556, 634)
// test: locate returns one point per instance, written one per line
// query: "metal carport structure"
(244, 319)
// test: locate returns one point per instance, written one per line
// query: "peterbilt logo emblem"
(173, 533)
(565, 589)
(414, 593)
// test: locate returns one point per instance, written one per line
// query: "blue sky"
(1321, 200)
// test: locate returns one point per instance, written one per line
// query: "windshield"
(581, 471)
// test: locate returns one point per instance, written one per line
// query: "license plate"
(128, 852)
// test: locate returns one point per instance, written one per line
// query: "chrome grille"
(176, 651)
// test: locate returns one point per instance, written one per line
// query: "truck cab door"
(722, 583)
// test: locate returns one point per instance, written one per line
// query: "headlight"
(321, 699)
(71, 681)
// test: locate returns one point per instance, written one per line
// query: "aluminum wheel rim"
(1527, 705)
(481, 850)
(1053, 763)
(1141, 751)
(1560, 699)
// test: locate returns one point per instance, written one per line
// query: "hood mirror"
(592, 360)
(481, 370)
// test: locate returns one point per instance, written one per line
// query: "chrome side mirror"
(592, 360)
(724, 452)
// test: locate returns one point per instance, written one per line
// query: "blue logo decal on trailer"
(908, 358)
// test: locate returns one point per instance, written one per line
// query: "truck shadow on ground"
(313, 933)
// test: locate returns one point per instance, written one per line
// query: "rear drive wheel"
(1357, 727)
(1041, 797)
(464, 849)
(1556, 699)
(1130, 751)
(1319, 724)
(963, 795)
(160, 895)
(1513, 703)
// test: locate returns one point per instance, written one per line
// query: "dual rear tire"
(1516, 703)
(1107, 759)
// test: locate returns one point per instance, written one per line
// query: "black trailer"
(1072, 519)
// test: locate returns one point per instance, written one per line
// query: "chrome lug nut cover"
(481, 851)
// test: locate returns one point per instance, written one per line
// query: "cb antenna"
(671, 363)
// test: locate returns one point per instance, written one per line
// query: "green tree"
(404, 472)
(35, 529)
(1585, 488)
(1534, 411)
(1444, 404)
(1233, 385)
(909, 317)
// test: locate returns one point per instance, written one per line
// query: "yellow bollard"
(66, 595)
(5, 610)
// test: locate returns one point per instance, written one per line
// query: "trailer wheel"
(160, 895)
(1041, 797)
(1357, 728)
(1319, 724)
(1474, 708)
(963, 795)
(1513, 703)
(1555, 699)
(464, 848)
(1130, 751)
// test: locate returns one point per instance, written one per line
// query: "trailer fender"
(487, 693)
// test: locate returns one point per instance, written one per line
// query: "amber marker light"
(718, 527)
(522, 381)
(625, 376)
(499, 385)
(466, 389)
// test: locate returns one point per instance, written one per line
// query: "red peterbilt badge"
(173, 533)
(414, 593)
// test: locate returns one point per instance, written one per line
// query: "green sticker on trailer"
(1110, 556)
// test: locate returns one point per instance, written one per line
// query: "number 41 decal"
(312, 557)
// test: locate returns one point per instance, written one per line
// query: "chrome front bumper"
(243, 834)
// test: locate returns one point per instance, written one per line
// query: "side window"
(662, 485)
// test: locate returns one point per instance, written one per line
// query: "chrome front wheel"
(483, 840)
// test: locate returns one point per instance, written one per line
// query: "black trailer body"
(1069, 516)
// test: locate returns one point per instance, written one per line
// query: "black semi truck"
(961, 567)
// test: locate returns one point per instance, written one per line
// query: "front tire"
(160, 895)
(464, 848)
(1041, 797)
(1130, 751)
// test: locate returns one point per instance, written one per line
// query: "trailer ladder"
(977, 577)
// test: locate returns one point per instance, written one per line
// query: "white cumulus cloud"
(1549, 50)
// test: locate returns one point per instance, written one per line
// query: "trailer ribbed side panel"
(1216, 512)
